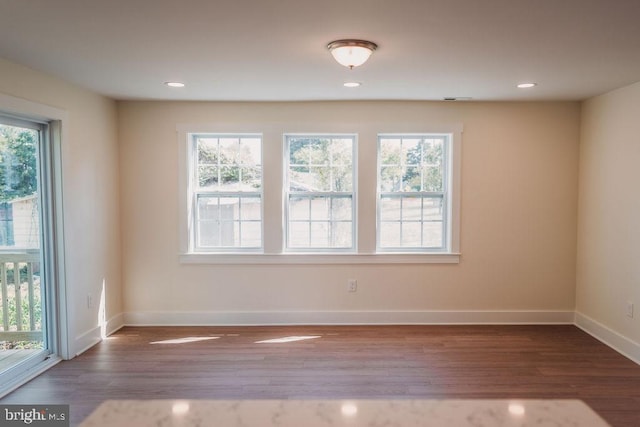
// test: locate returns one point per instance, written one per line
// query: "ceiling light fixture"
(352, 84)
(174, 84)
(350, 52)
(527, 85)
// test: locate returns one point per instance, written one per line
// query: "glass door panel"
(22, 292)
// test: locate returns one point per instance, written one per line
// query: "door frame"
(58, 317)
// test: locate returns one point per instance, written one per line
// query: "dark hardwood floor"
(365, 362)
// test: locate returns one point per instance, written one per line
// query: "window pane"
(229, 149)
(433, 209)
(433, 165)
(341, 152)
(228, 164)
(229, 222)
(299, 208)
(341, 208)
(412, 181)
(390, 152)
(320, 235)
(432, 176)
(250, 209)
(229, 177)
(208, 208)
(208, 234)
(390, 235)
(251, 234)
(298, 234)
(229, 208)
(411, 151)
(411, 235)
(319, 178)
(250, 179)
(411, 208)
(298, 153)
(321, 166)
(433, 234)
(250, 151)
(208, 151)
(342, 179)
(390, 208)
(390, 178)
(298, 178)
(412, 164)
(342, 234)
(320, 208)
(208, 177)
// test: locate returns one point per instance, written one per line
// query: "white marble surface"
(352, 413)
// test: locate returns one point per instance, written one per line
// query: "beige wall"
(608, 262)
(518, 227)
(91, 193)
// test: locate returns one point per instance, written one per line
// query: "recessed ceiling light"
(527, 85)
(174, 84)
(352, 84)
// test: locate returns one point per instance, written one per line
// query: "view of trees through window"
(228, 192)
(320, 193)
(412, 191)
(20, 295)
(319, 186)
(18, 187)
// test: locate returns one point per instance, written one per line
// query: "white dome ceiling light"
(351, 52)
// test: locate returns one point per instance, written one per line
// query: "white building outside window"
(226, 192)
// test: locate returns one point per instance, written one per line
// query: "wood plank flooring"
(365, 362)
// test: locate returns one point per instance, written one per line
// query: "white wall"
(91, 194)
(518, 228)
(608, 261)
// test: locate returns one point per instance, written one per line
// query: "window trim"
(354, 195)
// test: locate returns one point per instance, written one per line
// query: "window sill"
(387, 258)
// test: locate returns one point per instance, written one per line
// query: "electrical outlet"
(630, 309)
(89, 301)
(352, 285)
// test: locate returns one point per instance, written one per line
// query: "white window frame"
(194, 193)
(450, 193)
(352, 194)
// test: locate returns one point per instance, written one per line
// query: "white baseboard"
(93, 336)
(219, 318)
(115, 323)
(613, 339)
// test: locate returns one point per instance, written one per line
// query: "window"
(413, 192)
(320, 192)
(306, 206)
(226, 192)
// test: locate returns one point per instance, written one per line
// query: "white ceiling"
(276, 49)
